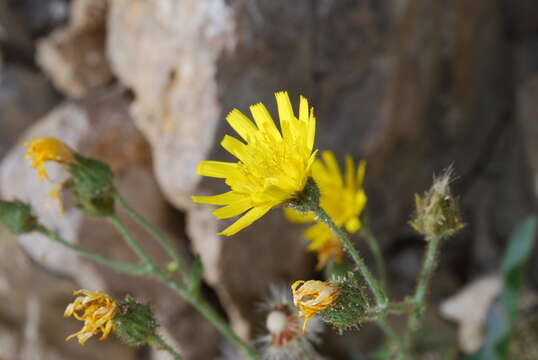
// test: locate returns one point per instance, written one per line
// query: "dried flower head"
(43, 149)
(312, 297)
(274, 165)
(285, 341)
(97, 310)
(437, 212)
(342, 197)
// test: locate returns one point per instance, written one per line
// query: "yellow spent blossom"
(273, 165)
(43, 149)
(342, 197)
(97, 311)
(312, 297)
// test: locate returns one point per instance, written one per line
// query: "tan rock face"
(100, 127)
(74, 56)
(166, 52)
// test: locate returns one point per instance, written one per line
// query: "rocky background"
(411, 86)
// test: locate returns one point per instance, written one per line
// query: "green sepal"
(350, 307)
(18, 217)
(92, 182)
(135, 323)
(307, 199)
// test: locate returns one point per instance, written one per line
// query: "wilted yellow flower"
(313, 296)
(43, 149)
(273, 165)
(343, 198)
(97, 311)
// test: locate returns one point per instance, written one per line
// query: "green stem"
(378, 255)
(131, 241)
(210, 314)
(119, 266)
(152, 230)
(428, 268)
(159, 342)
(203, 307)
(379, 295)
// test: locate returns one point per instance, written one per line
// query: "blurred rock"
(469, 308)
(100, 126)
(25, 95)
(166, 52)
(74, 56)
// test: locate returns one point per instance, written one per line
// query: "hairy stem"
(210, 314)
(428, 268)
(131, 241)
(116, 265)
(378, 293)
(159, 342)
(202, 306)
(152, 230)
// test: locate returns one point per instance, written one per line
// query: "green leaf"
(502, 316)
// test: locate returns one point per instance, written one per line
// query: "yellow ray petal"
(360, 172)
(232, 210)
(247, 219)
(241, 124)
(236, 148)
(332, 166)
(264, 121)
(221, 199)
(217, 169)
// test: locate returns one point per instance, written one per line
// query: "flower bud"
(92, 182)
(349, 309)
(18, 217)
(135, 323)
(437, 211)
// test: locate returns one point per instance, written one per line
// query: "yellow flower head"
(97, 310)
(342, 197)
(273, 164)
(43, 149)
(312, 297)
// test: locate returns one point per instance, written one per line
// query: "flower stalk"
(428, 268)
(201, 305)
(157, 341)
(308, 201)
(116, 265)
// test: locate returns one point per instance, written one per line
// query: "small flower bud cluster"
(437, 211)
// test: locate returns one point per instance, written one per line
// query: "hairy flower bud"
(437, 211)
(134, 322)
(349, 309)
(91, 180)
(18, 217)
(93, 186)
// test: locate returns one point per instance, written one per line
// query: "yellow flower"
(312, 297)
(342, 197)
(273, 165)
(97, 311)
(43, 149)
